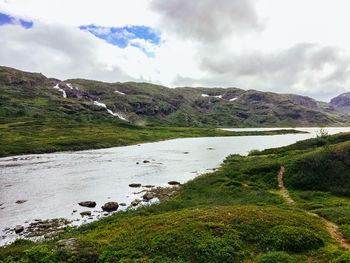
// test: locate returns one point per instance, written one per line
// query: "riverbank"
(235, 214)
(34, 136)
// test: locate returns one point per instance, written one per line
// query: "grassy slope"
(32, 95)
(231, 215)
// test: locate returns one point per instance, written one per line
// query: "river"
(53, 184)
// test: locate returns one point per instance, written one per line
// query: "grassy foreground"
(42, 135)
(235, 214)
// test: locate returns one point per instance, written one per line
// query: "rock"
(148, 196)
(135, 185)
(210, 149)
(21, 201)
(19, 229)
(137, 163)
(122, 204)
(173, 183)
(186, 152)
(74, 211)
(136, 202)
(110, 206)
(86, 213)
(149, 186)
(88, 204)
(70, 244)
(105, 214)
(145, 161)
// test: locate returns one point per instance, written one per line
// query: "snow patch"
(100, 104)
(206, 95)
(119, 92)
(61, 90)
(69, 85)
(233, 99)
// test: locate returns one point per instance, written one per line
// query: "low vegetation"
(235, 214)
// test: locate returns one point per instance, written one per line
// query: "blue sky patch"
(123, 36)
(7, 19)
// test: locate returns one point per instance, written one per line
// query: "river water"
(54, 183)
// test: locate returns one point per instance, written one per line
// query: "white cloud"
(246, 43)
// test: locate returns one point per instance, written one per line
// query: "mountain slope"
(33, 95)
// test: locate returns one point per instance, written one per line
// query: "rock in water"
(173, 183)
(148, 196)
(110, 206)
(19, 229)
(21, 201)
(86, 213)
(135, 185)
(88, 204)
(145, 161)
(136, 202)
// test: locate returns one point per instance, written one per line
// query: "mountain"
(32, 95)
(342, 102)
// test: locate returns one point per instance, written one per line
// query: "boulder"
(19, 229)
(135, 185)
(70, 244)
(122, 204)
(86, 213)
(90, 204)
(148, 196)
(110, 206)
(173, 183)
(21, 201)
(145, 161)
(136, 202)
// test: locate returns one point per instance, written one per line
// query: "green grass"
(42, 135)
(232, 215)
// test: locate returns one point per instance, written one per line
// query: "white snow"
(233, 99)
(100, 104)
(69, 85)
(206, 95)
(61, 90)
(121, 93)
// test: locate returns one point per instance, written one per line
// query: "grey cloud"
(56, 51)
(206, 20)
(299, 69)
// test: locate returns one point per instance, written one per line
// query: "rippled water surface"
(53, 184)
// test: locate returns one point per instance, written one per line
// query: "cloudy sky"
(289, 46)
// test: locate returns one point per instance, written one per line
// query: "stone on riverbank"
(90, 204)
(110, 206)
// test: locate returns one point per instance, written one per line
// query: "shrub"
(344, 258)
(275, 257)
(295, 239)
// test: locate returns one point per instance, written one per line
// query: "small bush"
(275, 257)
(345, 258)
(295, 239)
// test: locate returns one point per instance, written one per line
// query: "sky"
(289, 46)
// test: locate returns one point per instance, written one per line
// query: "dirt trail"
(332, 228)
